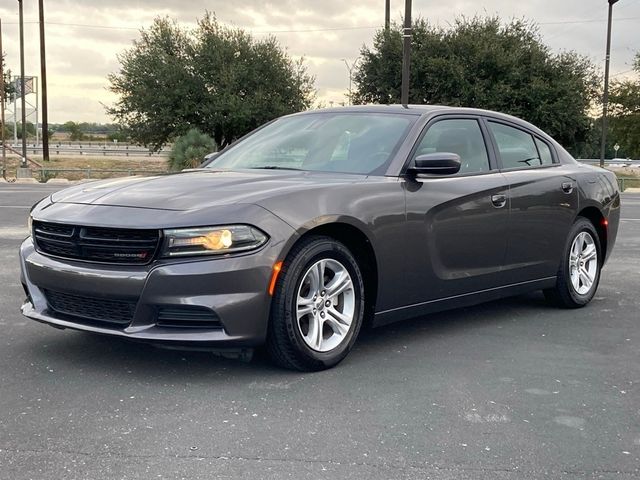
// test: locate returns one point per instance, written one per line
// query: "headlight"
(30, 224)
(182, 242)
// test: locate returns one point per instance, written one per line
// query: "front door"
(457, 224)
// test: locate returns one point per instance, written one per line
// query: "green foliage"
(29, 127)
(74, 130)
(625, 115)
(217, 79)
(483, 63)
(118, 135)
(8, 86)
(190, 149)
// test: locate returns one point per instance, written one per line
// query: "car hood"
(199, 189)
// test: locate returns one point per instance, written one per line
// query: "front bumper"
(234, 287)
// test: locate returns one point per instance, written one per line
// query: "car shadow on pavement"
(69, 349)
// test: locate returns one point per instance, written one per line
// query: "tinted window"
(545, 152)
(325, 142)
(516, 147)
(463, 137)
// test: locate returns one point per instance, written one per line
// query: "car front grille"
(114, 313)
(97, 244)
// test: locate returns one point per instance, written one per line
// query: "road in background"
(513, 389)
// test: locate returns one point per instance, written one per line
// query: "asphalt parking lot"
(508, 390)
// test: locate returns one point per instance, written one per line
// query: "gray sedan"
(318, 223)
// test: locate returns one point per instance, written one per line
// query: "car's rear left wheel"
(579, 273)
(318, 306)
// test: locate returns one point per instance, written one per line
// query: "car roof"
(377, 108)
(413, 110)
(424, 110)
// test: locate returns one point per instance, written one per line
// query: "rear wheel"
(579, 273)
(317, 307)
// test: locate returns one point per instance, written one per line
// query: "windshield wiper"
(274, 167)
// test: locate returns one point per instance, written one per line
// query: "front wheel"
(318, 306)
(579, 273)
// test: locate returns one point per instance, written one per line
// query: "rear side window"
(461, 136)
(517, 148)
(545, 152)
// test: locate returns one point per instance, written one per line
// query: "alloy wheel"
(325, 305)
(583, 263)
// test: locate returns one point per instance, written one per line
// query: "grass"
(92, 164)
(628, 177)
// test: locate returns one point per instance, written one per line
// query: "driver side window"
(460, 136)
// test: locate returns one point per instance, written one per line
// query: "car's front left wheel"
(317, 307)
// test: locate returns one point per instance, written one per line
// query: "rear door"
(544, 201)
(456, 224)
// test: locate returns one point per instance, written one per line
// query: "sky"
(84, 37)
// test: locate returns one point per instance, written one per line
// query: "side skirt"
(465, 300)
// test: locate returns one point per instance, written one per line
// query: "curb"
(58, 181)
(632, 190)
(26, 180)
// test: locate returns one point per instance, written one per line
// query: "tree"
(483, 63)
(625, 114)
(190, 149)
(8, 86)
(74, 130)
(217, 79)
(29, 127)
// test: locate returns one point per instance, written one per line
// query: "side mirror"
(439, 163)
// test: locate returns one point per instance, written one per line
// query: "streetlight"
(605, 99)
(350, 69)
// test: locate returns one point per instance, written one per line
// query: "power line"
(371, 27)
(576, 22)
(622, 73)
(114, 27)
(308, 30)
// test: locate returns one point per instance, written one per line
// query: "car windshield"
(324, 142)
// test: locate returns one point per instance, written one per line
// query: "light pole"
(406, 53)
(22, 88)
(2, 88)
(387, 15)
(43, 85)
(350, 69)
(605, 99)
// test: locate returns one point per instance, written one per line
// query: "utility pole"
(22, 88)
(3, 125)
(43, 85)
(406, 53)
(605, 100)
(350, 69)
(387, 15)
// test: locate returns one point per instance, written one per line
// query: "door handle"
(567, 187)
(499, 201)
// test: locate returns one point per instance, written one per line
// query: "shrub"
(190, 149)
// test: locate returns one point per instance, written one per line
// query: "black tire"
(285, 343)
(564, 294)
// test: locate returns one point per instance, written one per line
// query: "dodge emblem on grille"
(130, 255)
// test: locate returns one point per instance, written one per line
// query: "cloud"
(80, 57)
